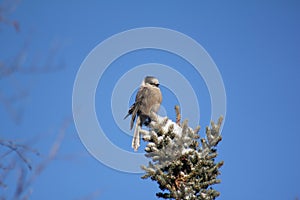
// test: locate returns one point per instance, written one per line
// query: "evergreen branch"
(179, 164)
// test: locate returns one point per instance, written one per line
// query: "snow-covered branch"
(178, 163)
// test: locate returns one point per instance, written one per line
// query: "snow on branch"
(179, 164)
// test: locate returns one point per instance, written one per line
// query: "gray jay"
(145, 107)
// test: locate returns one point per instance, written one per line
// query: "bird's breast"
(151, 102)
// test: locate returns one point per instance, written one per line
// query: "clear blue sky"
(255, 44)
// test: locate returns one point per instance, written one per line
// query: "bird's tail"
(136, 135)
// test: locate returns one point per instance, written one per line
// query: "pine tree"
(182, 168)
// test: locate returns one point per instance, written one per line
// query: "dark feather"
(134, 110)
(133, 115)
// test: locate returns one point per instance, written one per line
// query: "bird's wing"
(139, 99)
(134, 109)
(130, 110)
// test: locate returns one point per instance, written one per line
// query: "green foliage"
(182, 168)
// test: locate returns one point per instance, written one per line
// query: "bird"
(147, 103)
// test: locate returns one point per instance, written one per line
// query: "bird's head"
(152, 81)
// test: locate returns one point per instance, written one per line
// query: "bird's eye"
(155, 84)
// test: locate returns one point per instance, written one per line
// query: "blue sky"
(255, 45)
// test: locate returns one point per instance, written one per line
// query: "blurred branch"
(5, 170)
(9, 102)
(22, 62)
(11, 153)
(22, 65)
(25, 178)
(53, 151)
(93, 195)
(6, 8)
(19, 149)
(15, 160)
(39, 65)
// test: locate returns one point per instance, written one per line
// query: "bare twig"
(19, 149)
(25, 179)
(178, 115)
(20, 185)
